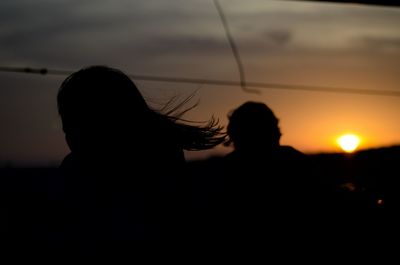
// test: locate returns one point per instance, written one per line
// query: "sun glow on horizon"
(349, 142)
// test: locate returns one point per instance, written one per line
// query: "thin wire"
(366, 2)
(234, 48)
(45, 71)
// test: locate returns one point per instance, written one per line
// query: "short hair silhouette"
(253, 125)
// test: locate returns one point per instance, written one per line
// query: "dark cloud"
(185, 44)
(279, 37)
(81, 32)
(379, 44)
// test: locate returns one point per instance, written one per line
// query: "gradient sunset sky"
(300, 43)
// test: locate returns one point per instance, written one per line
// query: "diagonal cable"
(234, 48)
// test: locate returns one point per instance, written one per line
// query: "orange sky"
(302, 43)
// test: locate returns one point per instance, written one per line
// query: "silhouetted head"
(98, 103)
(102, 111)
(253, 126)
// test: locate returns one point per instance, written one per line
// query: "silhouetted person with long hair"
(124, 173)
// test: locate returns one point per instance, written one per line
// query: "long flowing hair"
(80, 92)
(196, 135)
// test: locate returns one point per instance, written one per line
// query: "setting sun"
(349, 142)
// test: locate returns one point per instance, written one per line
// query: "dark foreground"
(353, 200)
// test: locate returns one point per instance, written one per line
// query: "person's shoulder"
(288, 148)
(67, 163)
(232, 158)
(230, 155)
(291, 153)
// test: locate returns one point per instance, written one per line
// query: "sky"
(297, 43)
